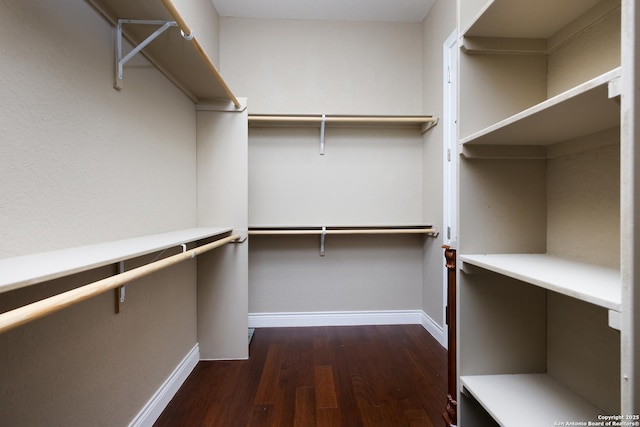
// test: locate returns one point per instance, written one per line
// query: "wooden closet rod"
(187, 32)
(284, 231)
(22, 315)
(340, 119)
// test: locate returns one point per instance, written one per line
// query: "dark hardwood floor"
(320, 376)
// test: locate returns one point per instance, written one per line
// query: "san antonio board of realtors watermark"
(605, 421)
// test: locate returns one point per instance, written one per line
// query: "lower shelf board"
(528, 400)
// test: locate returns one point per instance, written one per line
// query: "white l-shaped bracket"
(120, 291)
(120, 60)
(323, 235)
(322, 127)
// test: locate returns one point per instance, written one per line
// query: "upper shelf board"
(526, 18)
(181, 60)
(587, 282)
(311, 120)
(583, 110)
(22, 271)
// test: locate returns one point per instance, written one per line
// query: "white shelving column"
(223, 198)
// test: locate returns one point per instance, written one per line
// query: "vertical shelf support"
(427, 126)
(121, 290)
(322, 239)
(322, 127)
(120, 60)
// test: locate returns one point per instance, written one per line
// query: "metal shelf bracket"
(121, 290)
(120, 60)
(322, 239)
(322, 126)
(429, 125)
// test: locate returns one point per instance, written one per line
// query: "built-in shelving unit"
(22, 271)
(539, 125)
(185, 61)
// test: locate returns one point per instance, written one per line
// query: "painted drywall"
(592, 50)
(203, 19)
(583, 193)
(82, 163)
(288, 66)
(437, 26)
(356, 273)
(366, 176)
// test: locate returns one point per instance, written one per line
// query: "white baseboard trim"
(434, 329)
(333, 318)
(161, 398)
(348, 318)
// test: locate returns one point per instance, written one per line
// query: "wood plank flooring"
(320, 376)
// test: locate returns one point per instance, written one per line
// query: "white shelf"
(526, 19)
(587, 282)
(583, 110)
(528, 400)
(313, 120)
(181, 60)
(19, 272)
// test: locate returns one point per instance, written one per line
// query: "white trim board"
(348, 318)
(161, 398)
(434, 329)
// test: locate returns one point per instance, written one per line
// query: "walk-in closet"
(179, 174)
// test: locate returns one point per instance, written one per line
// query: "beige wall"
(437, 26)
(594, 50)
(81, 163)
(357, 273)
(288, 66)
(203, 19)
(367, 176)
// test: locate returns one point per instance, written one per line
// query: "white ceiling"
(327, 10)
